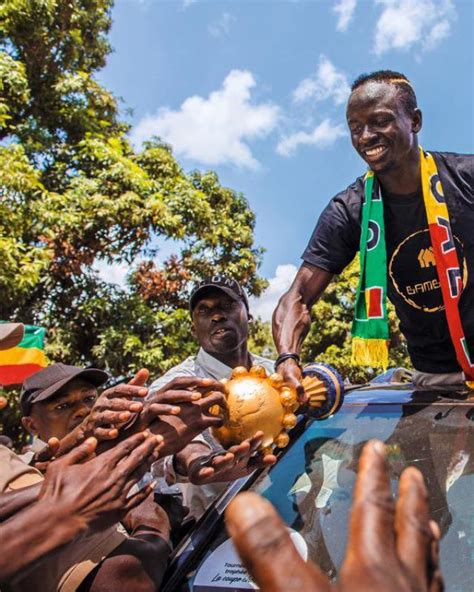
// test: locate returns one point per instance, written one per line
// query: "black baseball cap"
(227, 285)
(46, 383)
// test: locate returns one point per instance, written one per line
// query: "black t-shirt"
(413, 284)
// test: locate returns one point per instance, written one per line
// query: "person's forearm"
(291, 322)
(33, 533)
(12, 502)
(292, 317)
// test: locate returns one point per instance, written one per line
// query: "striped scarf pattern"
(370, 326)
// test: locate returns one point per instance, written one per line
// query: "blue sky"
(256, 91)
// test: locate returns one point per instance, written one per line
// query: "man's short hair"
(404, 87)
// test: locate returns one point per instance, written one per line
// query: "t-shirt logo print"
(426, 258)
(419, 285)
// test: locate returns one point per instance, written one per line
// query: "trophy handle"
(325, 388)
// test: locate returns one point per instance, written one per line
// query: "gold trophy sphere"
(257, 402)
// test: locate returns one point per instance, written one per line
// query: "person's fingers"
(124, 448)
(291, 373)
(211, 400)
(106, 433)
(202, 475)
(264, 544)
(43, 465)
(256, 441)
(435, 578)
(118, 404)
(265, 460)
(175, 397)
(243, 456)
(124, 391)
(53, 446)
(140, 377)
(143, 454)
(192, 382)
(80, 453)
(240, 450)
(224, 462)
(48, 452)
(259, 461)
(3, 402)
(412, 526)
(213, 387)
(211, 422)
(109, 418)
(204, 386)
(157, 409)
(371, 532)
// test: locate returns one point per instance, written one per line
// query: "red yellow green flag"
(17, 363)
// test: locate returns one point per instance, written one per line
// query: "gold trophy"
(259, 402)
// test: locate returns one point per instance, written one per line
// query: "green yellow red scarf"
(370, 326)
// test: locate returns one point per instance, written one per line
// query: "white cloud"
(188, 3)
(214, 130)
(345, 10)
(221, 27)
(112, 273)
(264, 306)
(323, 135)
(404, 24)
(439, 32)
(327, 83)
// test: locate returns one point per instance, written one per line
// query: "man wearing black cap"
(220, 317)
(56, 400)
(60, 401)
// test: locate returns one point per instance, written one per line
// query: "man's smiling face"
(382, 131)
(220, 322)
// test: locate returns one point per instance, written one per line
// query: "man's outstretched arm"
(292, 317)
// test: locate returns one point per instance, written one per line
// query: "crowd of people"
(116, 476)
(81, 511)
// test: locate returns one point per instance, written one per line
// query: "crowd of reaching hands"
(90, 479)
(90, 474)
(83, 510)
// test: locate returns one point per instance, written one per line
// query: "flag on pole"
(28, 357)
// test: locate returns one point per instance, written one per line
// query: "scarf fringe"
(370, 352)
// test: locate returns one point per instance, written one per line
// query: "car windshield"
(311, 486)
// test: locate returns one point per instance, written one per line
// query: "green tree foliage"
(261, 340)
(329, 339)
(74, 192)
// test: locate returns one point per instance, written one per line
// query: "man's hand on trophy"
(291, 373)
(392, 547)
(235, 462)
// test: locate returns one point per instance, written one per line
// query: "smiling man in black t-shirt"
(384, 121)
